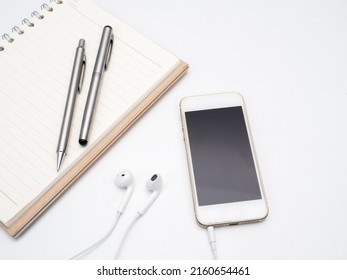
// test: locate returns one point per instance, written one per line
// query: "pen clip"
(107, 62)
(83, 70)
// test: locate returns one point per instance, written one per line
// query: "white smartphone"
(224, 174)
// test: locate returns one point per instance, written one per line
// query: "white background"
(289, 61)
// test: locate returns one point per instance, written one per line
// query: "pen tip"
(60, 156)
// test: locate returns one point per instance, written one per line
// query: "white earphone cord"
(126, 233)
(102, 240)
(212, 240)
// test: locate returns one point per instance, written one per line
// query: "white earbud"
(125, 179)
(153, 184)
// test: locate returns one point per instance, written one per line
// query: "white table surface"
(289, 60)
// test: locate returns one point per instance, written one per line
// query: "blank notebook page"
(35, 75)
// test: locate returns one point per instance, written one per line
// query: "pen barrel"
(71, 99)
(101, 62)
(90, 108)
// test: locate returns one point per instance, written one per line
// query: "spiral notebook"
(35, 65)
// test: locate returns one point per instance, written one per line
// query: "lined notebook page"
(35, 74)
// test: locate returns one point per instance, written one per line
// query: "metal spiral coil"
(45, 6)
(18, 30)
(37, 14)
(7, 37)
(27, 22)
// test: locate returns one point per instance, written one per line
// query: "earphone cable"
(125, 235)
(100, 241)
(212, 241)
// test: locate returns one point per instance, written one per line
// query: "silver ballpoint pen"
(74, 88)
(101, 64)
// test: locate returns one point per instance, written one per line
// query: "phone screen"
(223, 164)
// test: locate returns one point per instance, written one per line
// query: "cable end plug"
(212, 241)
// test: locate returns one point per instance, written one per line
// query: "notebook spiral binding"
(27, 22)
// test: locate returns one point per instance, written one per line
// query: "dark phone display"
(223, 164)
